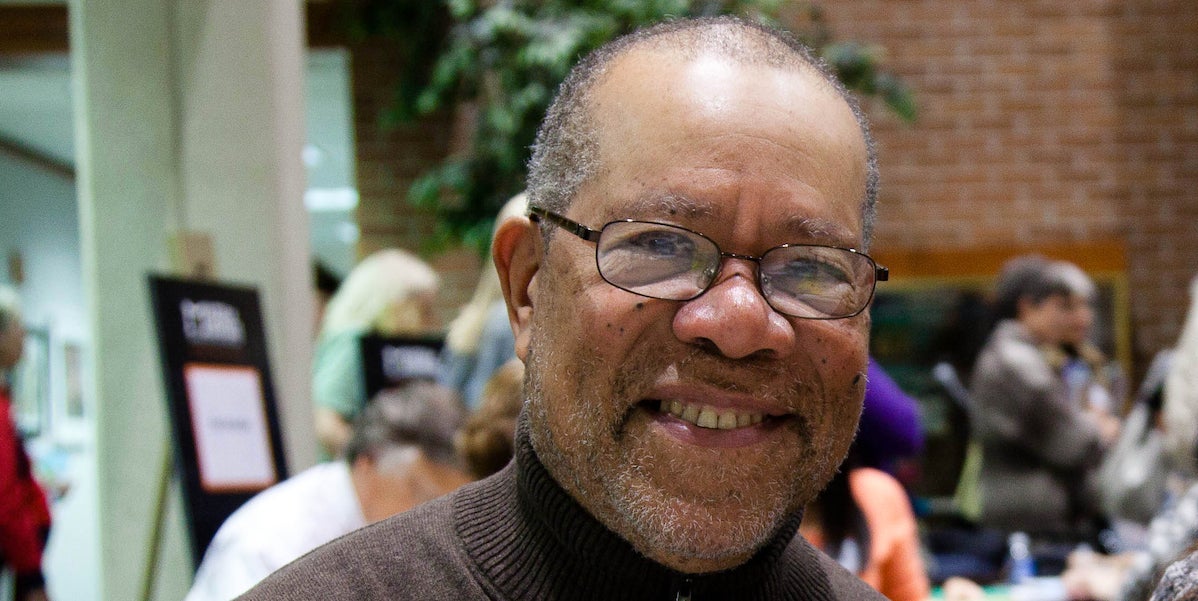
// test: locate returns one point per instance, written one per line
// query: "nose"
(734, 319)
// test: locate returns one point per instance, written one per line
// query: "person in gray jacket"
(687, 393)
(1041, 431)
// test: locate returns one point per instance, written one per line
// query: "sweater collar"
(534, 541)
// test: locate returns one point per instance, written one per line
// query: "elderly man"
(687, 393)
(400, 454)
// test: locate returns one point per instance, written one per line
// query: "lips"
(714, 418)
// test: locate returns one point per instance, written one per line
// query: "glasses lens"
(817, 281)
(656, 260)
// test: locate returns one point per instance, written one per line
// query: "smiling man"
(690, 298)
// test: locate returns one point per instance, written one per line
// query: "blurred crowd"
(1097, 485)
(1098, 481)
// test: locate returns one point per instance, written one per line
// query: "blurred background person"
(890, 436)
(326, 284)
(863, 519)
(1180, 580)
(401, 454)
(1131, 576)
(480, 338)
(24, 512)
(389, 293)
(1040, 438)
(487, 442)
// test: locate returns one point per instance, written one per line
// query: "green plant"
(498, 63)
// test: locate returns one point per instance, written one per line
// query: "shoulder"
(414, 555)
(879, 494)
(812, 574)
(324, 489)
(1011, 358)
(1178, 580)
(876, 483)
(291, 518)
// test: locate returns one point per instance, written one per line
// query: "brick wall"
(389, 158)
(1156, 60)
(1044, 124)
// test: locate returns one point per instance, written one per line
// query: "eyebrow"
(798, 228)
(821, 230)
(655, 204)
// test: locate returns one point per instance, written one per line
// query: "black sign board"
(222, 404)
(391, 361)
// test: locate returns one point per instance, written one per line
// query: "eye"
(651, 241)
(662, 243)
(813, 270)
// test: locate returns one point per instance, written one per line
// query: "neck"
(383, 493)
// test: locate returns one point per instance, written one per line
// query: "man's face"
(753, 157)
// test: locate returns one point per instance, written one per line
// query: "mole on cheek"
(640, 306)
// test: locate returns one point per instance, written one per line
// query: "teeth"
(710, 417)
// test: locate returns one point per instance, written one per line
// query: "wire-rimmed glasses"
(670, 262)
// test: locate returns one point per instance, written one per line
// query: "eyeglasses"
(668, 262)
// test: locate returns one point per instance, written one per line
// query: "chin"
(710, 525)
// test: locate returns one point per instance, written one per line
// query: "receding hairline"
(565, 153)
(742, 42)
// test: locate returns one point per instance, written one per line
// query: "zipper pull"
(683, 590)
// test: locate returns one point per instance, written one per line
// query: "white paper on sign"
(228, 419)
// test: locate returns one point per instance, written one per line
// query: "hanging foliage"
(495, 65)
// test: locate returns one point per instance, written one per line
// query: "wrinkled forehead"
(660, 110)
(670, 94)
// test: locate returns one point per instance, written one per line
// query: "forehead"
(701, 135)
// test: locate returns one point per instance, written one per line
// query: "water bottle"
(1022, 567)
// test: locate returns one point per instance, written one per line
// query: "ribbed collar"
(531, 540)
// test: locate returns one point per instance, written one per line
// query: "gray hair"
(419, 414)
(1037, 278)
(566, 151)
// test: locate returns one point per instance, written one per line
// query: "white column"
(189, 116)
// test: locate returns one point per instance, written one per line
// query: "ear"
(516, 251)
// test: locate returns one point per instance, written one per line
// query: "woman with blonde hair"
(389, 293)
(480, 338)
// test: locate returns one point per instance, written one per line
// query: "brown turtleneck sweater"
(518, 536)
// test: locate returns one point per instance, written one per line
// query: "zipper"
(683, 591)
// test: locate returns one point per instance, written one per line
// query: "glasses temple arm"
(535, 214)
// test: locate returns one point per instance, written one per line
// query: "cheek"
(838, 348)
(839, 354)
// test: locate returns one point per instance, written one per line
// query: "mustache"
(754, 375)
